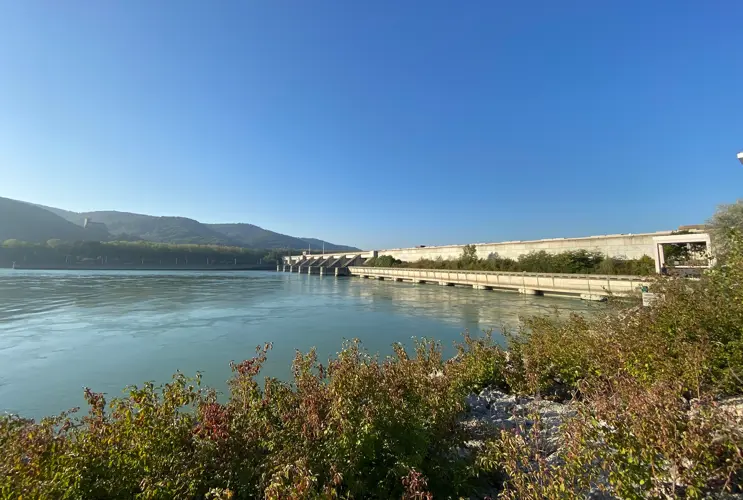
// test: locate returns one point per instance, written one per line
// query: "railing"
(624, 277)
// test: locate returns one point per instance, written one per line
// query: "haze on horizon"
(381, 124)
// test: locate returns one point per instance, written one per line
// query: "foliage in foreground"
(694, 336)
(726, 222)
(645, 385)
(358, 427)
(625, 441)
(648, 422)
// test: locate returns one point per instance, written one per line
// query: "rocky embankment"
(491, 411)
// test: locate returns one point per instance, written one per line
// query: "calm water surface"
(64, 330)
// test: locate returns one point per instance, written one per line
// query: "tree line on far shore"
(129, 253)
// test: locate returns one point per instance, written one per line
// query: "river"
(61, 331)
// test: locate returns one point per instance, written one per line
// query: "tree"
(727, 219)
(275, 255)
(469, 255)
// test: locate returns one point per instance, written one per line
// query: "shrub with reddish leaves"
(362, 426)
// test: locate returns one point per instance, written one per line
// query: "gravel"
(492, 411)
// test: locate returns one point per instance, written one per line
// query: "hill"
(26, 222)
(252, 236)
(128, 226)
(160, 229)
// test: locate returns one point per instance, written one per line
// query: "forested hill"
(177, 230)
(181, 230)
(250, 236)
(24, 222)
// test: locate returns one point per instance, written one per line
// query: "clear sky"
(377, 123)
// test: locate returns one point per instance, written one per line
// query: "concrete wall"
(631, 246)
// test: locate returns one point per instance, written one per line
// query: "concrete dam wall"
(630, 246)
(588, 287)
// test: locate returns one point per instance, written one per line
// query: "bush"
(694, 335)
(654, 442)
(648, 421)
(554, 354)
(627, 441)
(527, 471)
(479, 363)
(358, 427)
(383, 261)
(725, 226)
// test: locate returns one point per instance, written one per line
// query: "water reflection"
(60, 331)
(483, 309)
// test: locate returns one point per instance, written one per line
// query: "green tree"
(275, 256)
(727, 219)
(469, 252)
(469, 258)
(383, 261)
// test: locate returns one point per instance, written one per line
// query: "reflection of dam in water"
(462, 305)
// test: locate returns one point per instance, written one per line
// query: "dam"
(589, 287)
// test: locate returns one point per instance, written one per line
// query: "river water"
(61, 331)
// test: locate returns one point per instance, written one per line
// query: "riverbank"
(153, 267)
(131, 255)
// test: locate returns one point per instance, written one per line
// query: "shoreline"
(258, 267)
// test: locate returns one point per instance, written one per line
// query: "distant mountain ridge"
(25, 222)
(30, 222)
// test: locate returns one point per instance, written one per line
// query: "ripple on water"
(60, 331)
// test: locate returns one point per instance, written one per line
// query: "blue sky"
(377, 124)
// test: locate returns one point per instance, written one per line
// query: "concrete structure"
(332, 259)
(588, 287)
(673, 239)
(585, 286)
(630, 246)
(324, 264)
